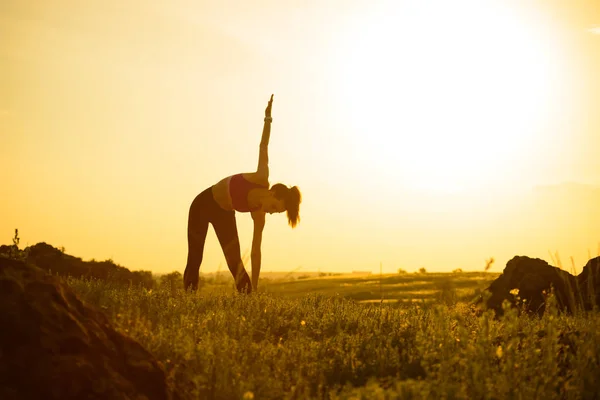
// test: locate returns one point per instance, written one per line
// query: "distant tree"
(422, 270)
(401, 271)
(173, 281)
(143, 278)
(457, 271)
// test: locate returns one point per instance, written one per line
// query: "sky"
(427, 133)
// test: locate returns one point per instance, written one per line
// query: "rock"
(52, 346)
(589, 283)
(533, 278)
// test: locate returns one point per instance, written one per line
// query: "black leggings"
(204, 209)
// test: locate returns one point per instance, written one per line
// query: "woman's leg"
(226, 230)
(196, 233)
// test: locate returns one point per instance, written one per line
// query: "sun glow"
(445, 97)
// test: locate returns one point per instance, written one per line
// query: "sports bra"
(239, 187)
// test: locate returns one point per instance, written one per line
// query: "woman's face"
(272, 205)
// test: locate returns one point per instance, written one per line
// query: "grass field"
(334, 338)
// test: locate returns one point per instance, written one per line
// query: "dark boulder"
(589, 283)
(52, 346)
(533, 278)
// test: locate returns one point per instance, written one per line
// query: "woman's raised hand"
(268, 109)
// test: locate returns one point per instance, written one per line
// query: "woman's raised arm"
(263, 153)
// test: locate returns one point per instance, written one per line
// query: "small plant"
(446, 292)
(16, 239)
(14, 252)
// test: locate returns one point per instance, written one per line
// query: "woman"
(246, 192)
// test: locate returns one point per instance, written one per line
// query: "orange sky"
(421, 133)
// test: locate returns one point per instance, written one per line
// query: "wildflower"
(514, 292)
(499, 352)
(248, 395)
(303, 322)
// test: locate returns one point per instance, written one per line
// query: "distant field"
(374, 288)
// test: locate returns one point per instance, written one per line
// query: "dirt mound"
(53, 346)
(589, 283)
(533, 280)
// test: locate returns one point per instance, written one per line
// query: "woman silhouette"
(245, 192)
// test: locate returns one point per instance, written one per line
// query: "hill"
(56, 261)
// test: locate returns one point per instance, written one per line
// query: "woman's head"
(288, 199)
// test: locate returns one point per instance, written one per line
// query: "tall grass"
(266, 346)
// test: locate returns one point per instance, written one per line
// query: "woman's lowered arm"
(263, 154)
(255, 257)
